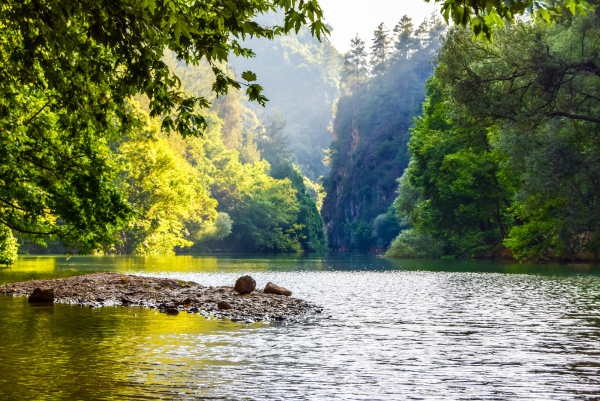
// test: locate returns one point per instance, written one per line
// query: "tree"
(274, 147)
(404, 41)
(68, 71)
(8, 246)
(483, 16)
(380, 48)
(354, 69)
(506, 157)
(173, 204)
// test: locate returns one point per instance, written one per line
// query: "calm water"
(391, 330)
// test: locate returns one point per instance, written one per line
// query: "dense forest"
(300, 76)
(383, 92)
(479, 140)
(237, 188)
(505, 159)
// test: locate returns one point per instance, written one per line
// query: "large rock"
(245, 285)
(39, 296)
(271, 288)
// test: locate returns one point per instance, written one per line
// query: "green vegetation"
(126, 128)
(68, 71)
(301, 80)
(483, 16)
(371, 131)
(505, 158)
(8, 246)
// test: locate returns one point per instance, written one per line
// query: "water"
(391, 330)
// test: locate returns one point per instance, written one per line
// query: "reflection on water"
(398, 330)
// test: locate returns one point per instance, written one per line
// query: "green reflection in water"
(69, 352)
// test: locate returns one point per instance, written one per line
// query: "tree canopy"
(483, 16)
(69, 69)
(505, 158)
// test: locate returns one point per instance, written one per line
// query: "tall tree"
(354, 69)
(380, 48)
(404, 41)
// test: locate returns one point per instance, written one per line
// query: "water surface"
(390, 330)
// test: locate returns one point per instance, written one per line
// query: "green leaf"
(249, 76)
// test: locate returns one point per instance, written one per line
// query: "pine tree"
(380, 48)
(354, 70)
(405, 42)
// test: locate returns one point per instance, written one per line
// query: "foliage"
(483, 16)
(507, 152)
(174, 207)
(380, 49)
(413, 244)
(371, 129)
(263, 210)
(463, 202)
(68, 71)
(385, 228)
(8, 246)
(301, 79)
(274, 147)
(354, 70)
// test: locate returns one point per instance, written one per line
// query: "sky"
(349, 17)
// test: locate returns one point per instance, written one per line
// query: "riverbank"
(167, 295)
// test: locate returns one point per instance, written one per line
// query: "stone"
(172, 311)
(271, 288)
(245, 285)
(41, 296)
(224, 305)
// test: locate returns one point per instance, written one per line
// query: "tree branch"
(574, 116)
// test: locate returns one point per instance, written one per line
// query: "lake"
(390, 330)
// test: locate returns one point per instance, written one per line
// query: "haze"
(349, 17)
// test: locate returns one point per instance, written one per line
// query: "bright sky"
(349, 17)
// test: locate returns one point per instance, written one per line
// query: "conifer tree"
(380, 48)
(354, 70)
(404, 40)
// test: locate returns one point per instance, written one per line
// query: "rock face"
(224, 305)
(245, 285)
(41, 296)
(370, 143)
(271, 288)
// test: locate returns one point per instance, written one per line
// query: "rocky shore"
(242, 303)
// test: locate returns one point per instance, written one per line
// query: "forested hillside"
(300, 77)
(383, 92)
(219, 192)
(505, 160)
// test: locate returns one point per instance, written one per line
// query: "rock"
(223, 305)
(271, 288)
(172, 311)
(245, 285)
(41, 296)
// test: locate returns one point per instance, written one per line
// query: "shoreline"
(170, 296)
